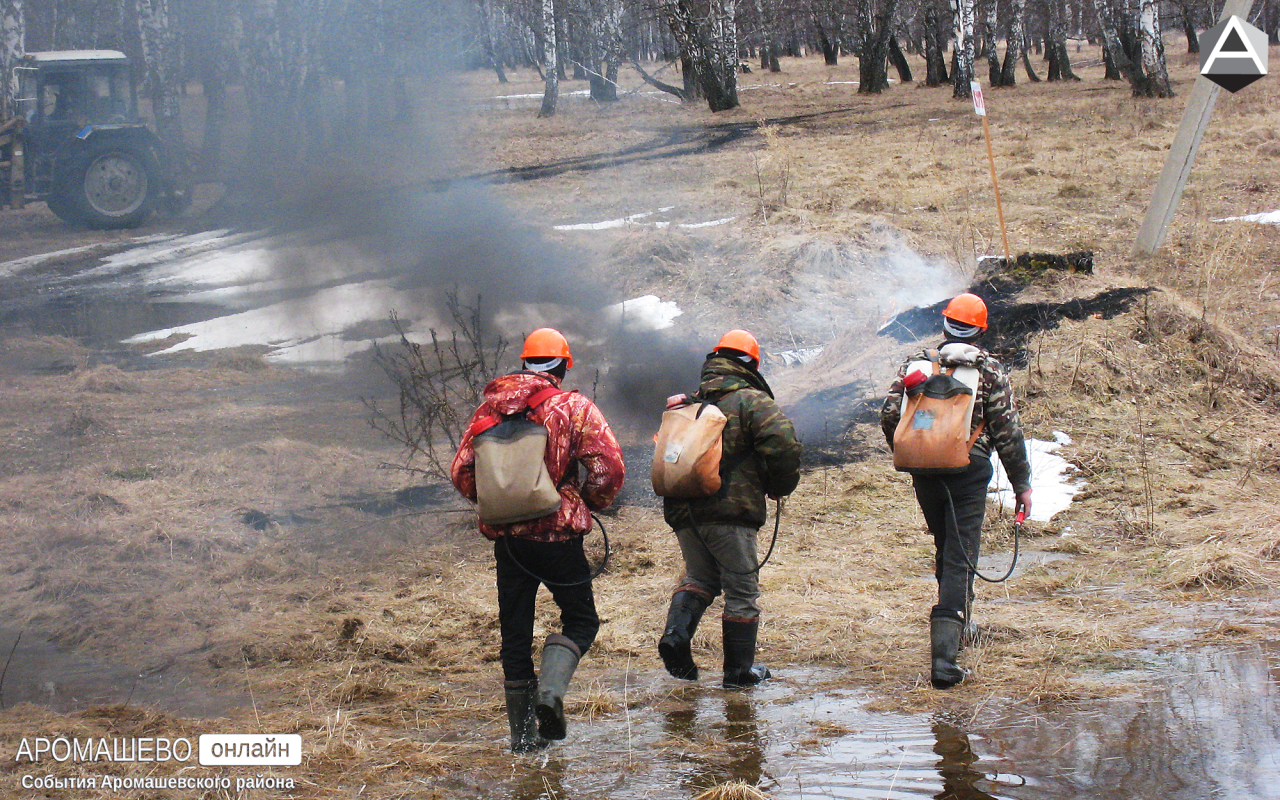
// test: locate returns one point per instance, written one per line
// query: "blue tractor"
(77, 142)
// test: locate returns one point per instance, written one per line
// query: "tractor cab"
(76, 88)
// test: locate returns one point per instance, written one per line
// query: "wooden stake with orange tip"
(980, 108)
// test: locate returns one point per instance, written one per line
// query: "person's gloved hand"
(1022, 503)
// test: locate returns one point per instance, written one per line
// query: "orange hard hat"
(547, 343)
(967, 308)
(741, 341)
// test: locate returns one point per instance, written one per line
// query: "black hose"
(604, 563)
(777, 521)
(955, 526)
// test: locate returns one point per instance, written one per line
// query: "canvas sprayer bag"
(932, 437)
(687, 450)
(512, 481)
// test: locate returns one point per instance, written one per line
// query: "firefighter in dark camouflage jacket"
(963, 494)
(717, 534)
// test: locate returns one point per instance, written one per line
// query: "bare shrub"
(440, 383)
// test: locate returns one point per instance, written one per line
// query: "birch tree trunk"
(490, 54)
(1153, 51)
(13, 35)
(1056, 46)
(962, 73)
(160, 67)
(990, 34)
(704, 49)
(1015, 45)
(727, 34)
(899, 59)
(552, 90)
(876, 28)
(935, 62)
(769, 36)
(1117, 56)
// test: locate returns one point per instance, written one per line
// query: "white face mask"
(543, 366)
(959, 330)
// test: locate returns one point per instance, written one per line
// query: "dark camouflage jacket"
(994, 404)
(761, 453)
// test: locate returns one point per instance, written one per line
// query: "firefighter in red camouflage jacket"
(585, 462)
(965, 494)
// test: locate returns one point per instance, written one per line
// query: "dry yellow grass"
(377, 637)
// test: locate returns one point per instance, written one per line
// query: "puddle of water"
(43, 673)
(1208, 726)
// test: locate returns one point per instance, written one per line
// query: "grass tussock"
(732, 791)
(1214, 566)
(106, 379)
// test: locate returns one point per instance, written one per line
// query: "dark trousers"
(968, 496)
(559, 562)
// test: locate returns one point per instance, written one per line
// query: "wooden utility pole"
(1182, 153)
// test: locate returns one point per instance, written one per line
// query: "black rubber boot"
(740, 669)
(675, 646)
(559, 659)
(944, 644)
(524, 733)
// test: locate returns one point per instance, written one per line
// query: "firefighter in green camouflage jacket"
(717, 534)
(964, 494)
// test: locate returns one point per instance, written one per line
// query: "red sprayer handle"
(1020, 517)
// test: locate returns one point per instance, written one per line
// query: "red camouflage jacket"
(577, 434)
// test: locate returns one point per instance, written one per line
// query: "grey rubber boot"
(740, 669)
(559, 659)
(524, 728)
(944, 644)
(675, 646)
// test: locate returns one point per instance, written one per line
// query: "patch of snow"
(327, 312)
(605, 225)
(635, 219)
(1052, 484)
(711, 224)
(170, 249)
(538, 95)
(1269, 218)
(795, 358)
(647, 313)
(17, 265)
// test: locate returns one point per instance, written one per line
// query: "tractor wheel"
(61, 206)
(109, 184)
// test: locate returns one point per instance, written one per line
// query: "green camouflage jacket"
(761, 452)
(994, 403)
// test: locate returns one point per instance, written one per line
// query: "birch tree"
(935, 45)
(990, 33)
(875, 28)
(962, 62)
(1153, 51)
(13, 33)
(552, 86)
(1132, 62)
(160, 67)
(1015, 45)
(1056, 45)
(826, 22)
(709, 49)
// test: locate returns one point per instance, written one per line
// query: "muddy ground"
(216, 541)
